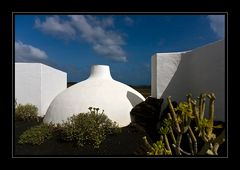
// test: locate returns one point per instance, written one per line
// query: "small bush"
(26, 112)
(37, 135)
(88, 128)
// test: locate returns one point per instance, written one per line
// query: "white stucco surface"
(38, 84)
(199, 70)
(164, 66)
(100, 91)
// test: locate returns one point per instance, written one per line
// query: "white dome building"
(100, 91)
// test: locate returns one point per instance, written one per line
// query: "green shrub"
(88, 128)
(37, 135)
(26, 112)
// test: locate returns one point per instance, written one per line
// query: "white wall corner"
(153, 76)
(164, 66)
(53, 82)
(38, 84)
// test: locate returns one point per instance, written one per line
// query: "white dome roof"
(99, 91)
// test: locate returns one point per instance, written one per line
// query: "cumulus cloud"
(217, 23)
(104, 42)
(57, 27)
(96, 31)
(25, 52)
(129, 21)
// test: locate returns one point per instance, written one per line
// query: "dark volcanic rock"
(146, 114)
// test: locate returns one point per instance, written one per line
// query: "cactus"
(205, 126)
(193, 138)
(157, 148)
(174, 115)
(211, 116)
(202, 105)
(171, 130)
(183, 120)
(190, 144)
(167, 145)
(178, 124)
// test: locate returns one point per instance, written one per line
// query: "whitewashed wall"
(28, 83)
(164, 66)
(38, 84)
(199, 70)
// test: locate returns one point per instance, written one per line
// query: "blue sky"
(72, 43)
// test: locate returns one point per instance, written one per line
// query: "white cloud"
(107, 22)
(57, 27)
(113, 51)
(94, 30)
(217, 23)
(105, 42)
(25, 52)
(129, 21)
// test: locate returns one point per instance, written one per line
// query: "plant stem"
(174, 116)
(218, 141)
(171, 130)
(195, 113)
(167, 144)
(190, 144)
(181, 150)
(179, 139)
(189, 96)
(194, 140)
(147, 144)
(211, 114)
(202, 105)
